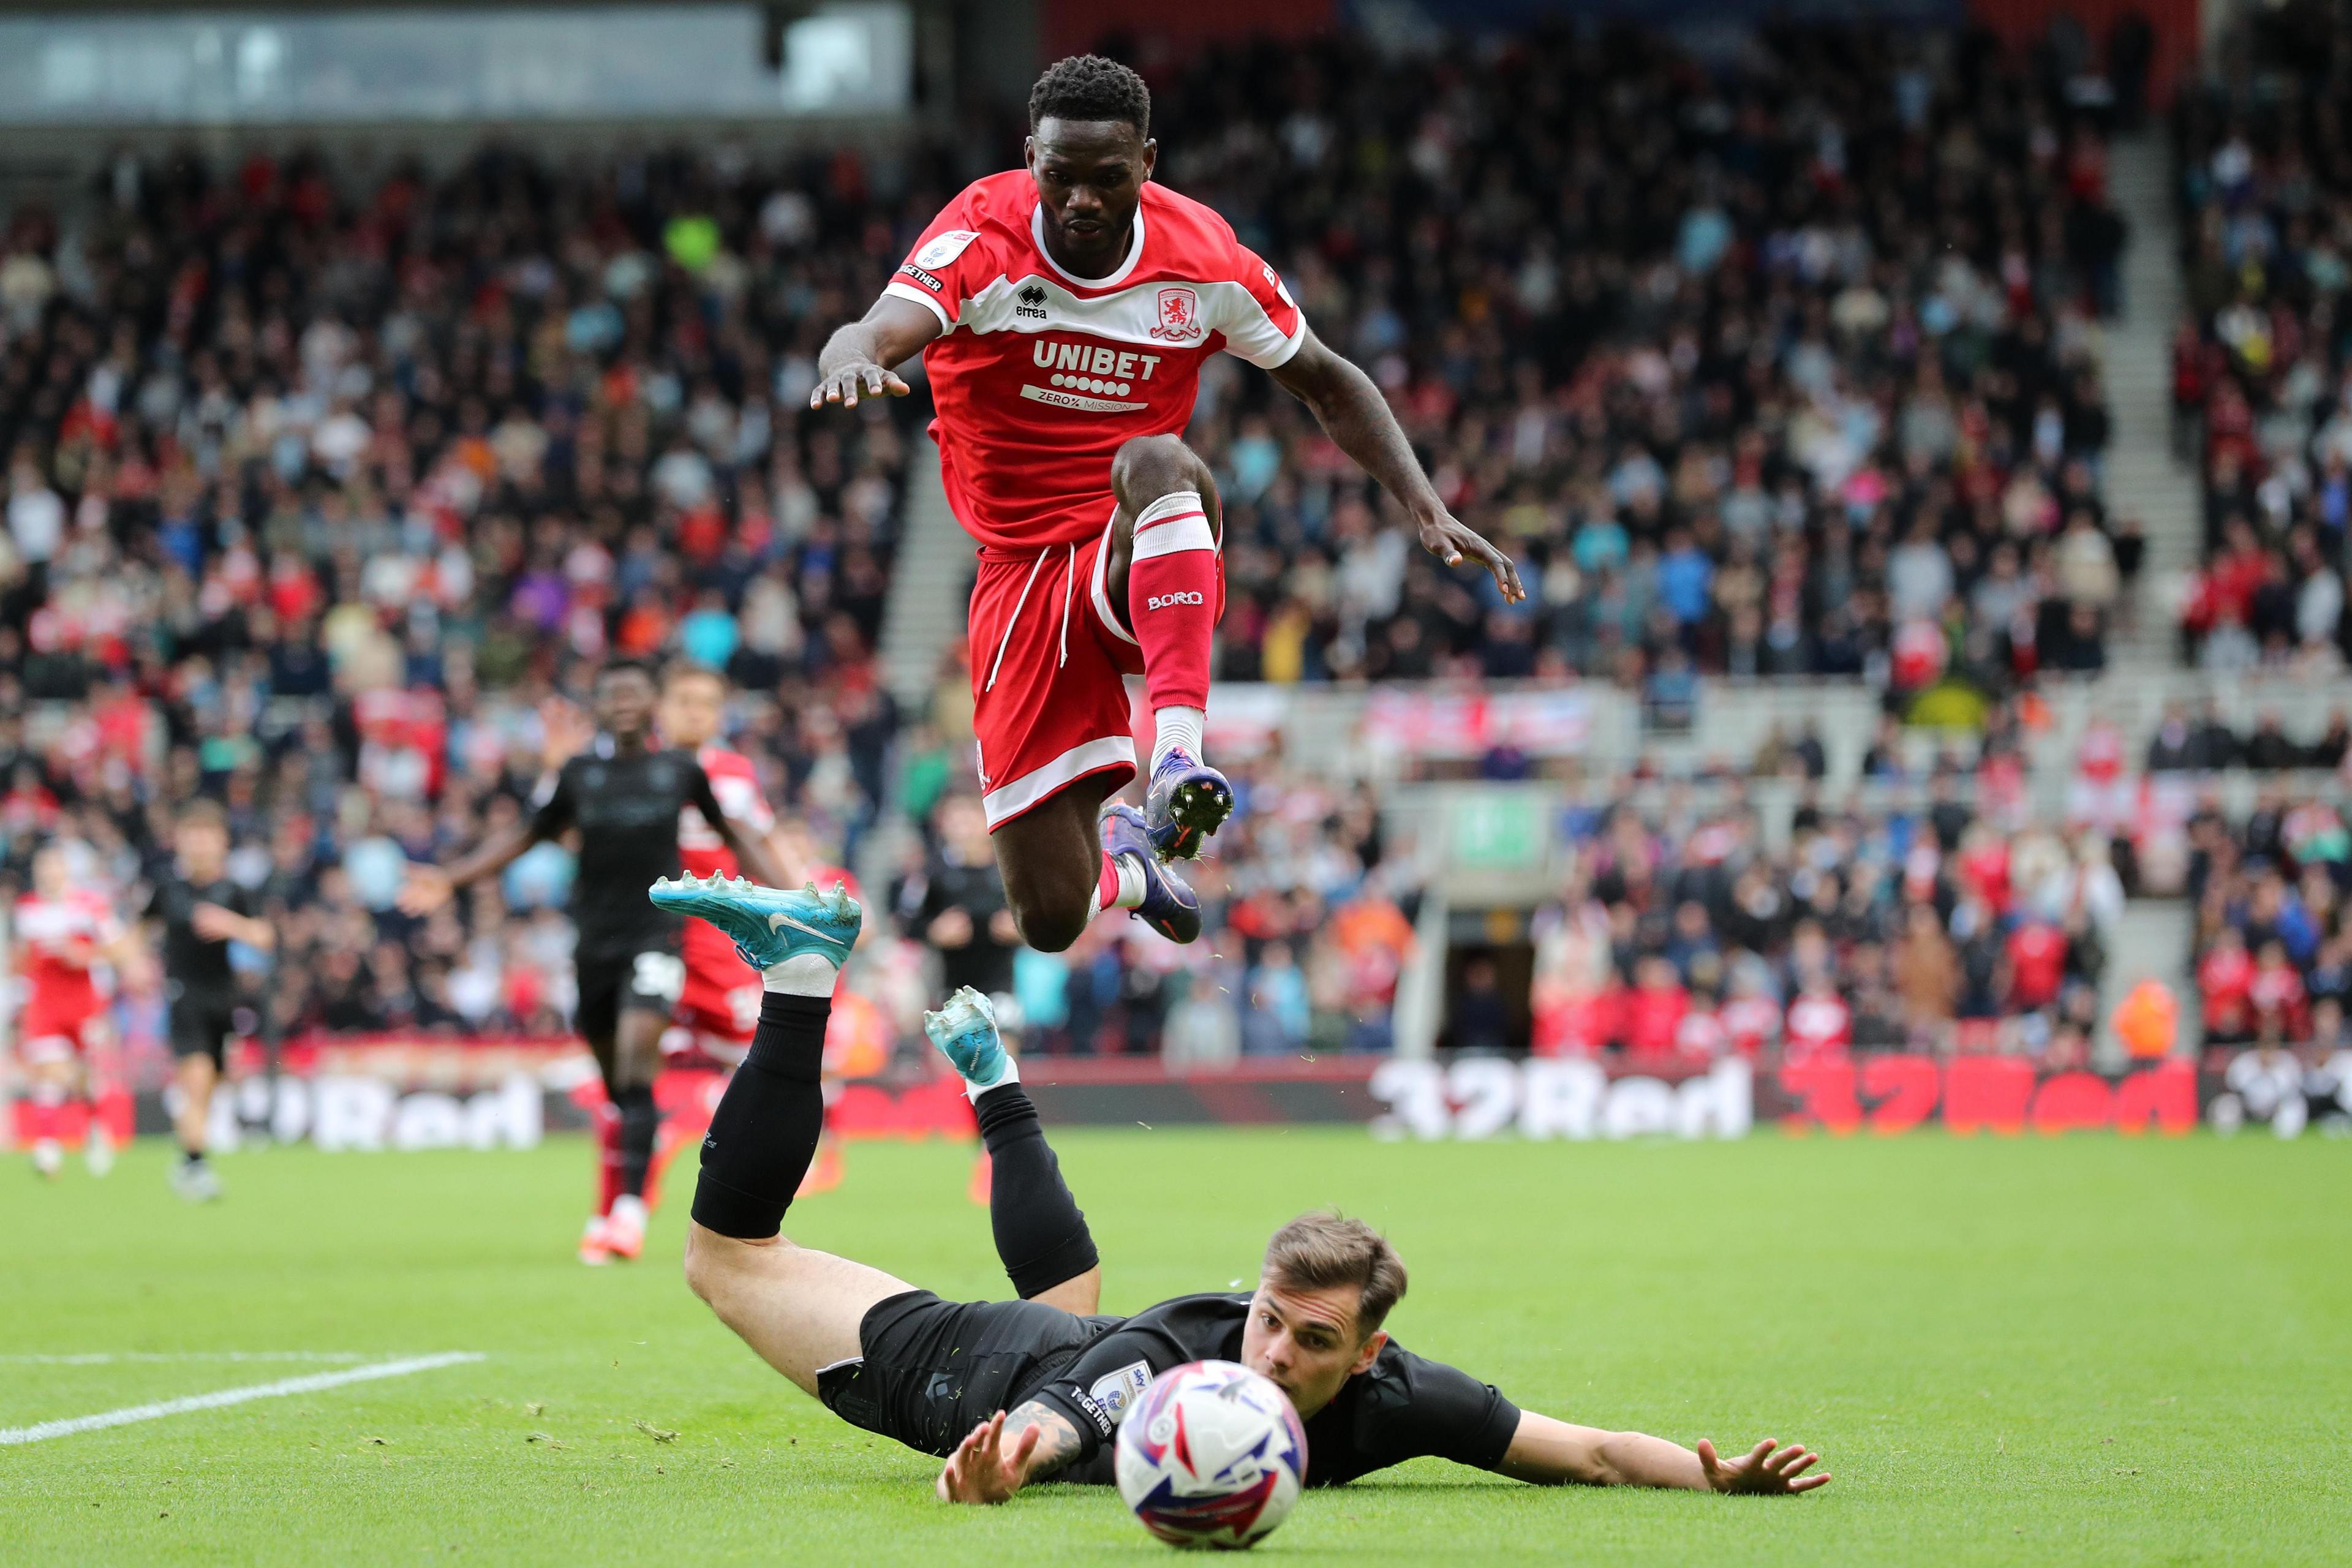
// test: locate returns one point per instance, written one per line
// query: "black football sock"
(640, 1128)
(764, 1132)
(1041, 1233)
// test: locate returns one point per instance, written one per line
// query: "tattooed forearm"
(1057, 1440)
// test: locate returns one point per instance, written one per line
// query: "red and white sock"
(608, 1156)
(1120, 886)
(40, 1118)
(1172, 600)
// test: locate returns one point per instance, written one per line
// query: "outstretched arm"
(857, 358)
(1358, 420)
(429, 887)
(1006, 1453)
(216, 924)
(1553, 1453)
(750, 849)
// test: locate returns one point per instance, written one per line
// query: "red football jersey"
(2224, 977)
(709, 953)
(1042, 375)
(1819, 1025)
(1752, 1023)
(1701, 1033)
(2037, 963)
(50, 934)
(1653, 1018)
(736, 782)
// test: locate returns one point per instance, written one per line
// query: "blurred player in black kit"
(201, 912)
(623, 796)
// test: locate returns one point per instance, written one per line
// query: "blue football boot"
(1187, 802)
(964, 1029)
(768, 924)
(1168, 905)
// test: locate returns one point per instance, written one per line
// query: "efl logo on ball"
(1213, 1455)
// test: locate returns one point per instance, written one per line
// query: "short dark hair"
(1326, 1250)
(1089, 87)
(624, 665)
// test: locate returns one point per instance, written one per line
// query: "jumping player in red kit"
(1064, 311)
(62, 931)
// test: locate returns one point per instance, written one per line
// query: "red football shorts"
(49, 1034)
(1049, 662)
(719, 1008)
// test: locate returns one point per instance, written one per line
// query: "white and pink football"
(1213, 1455)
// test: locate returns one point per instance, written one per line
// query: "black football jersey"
(627, 810)
(195, 966)
(1405, 1408)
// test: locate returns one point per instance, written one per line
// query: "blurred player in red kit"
(1065, 309)
(64, 927)
(720, 1007)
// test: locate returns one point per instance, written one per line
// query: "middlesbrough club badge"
(1180, 316)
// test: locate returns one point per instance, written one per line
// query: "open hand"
(214, 923)
(564, 733)
(844, 384)
(1449, 540)
(1761, 1469)
(425, 889)
(983, 1468)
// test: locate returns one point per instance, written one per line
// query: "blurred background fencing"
(1926, 429)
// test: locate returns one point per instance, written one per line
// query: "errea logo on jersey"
(1169, 601)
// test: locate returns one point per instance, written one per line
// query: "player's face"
(691, 707)
(49, 872)
(625, 704)
(202, 846)
(1090, 175)
(1306, 1342)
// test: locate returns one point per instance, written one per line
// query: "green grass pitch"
(2093, 1349)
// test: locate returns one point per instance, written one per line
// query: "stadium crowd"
(1923, 926)
(2262, 361)
(1784, 368)
(2273, 947)
(318, 485)
(316, 490)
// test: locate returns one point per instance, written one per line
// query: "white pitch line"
(110, 1358)
(215, 1401)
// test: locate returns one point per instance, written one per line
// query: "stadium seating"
(2262, 386)
(1793, 374)
(1782, 367)
(317, 485)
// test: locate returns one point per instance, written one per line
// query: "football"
(1212, 1456)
